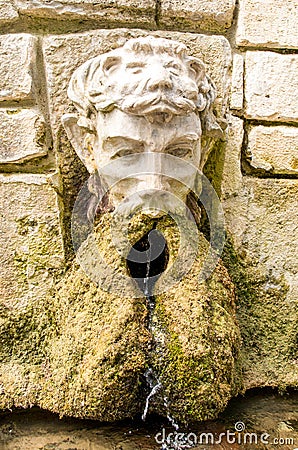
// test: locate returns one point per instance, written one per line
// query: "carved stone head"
(147, 97)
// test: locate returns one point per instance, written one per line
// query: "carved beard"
(95, 207)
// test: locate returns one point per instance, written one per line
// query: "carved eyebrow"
(188, 138)
(134, 64)
(115, 143)
(172, 62)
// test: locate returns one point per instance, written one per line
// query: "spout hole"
(143, 272)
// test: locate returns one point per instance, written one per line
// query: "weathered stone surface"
(16, 57)
(201, 335)
(271, 84)
(87, 348)
(273, 149)
(231, 172)
(138, 12)
(148, 124)
(63, 54)
(31, 244)
(8, 13)
(214, 15)
(262, 257)
(237, 87)
(22, 135)
(268, 23)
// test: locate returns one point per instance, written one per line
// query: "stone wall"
(250, 50)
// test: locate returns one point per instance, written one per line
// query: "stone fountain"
(144, 320)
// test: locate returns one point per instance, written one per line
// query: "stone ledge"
(22, 135)
(187, 15)
(121, 12)
(17, 52)
(268, 23)
(271, 86)
(273, 149)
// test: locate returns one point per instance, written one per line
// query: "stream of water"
(152, 378)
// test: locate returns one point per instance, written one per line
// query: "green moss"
(83, 351)
(197, 361)
(268, 325)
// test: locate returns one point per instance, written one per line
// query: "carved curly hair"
(89, 87)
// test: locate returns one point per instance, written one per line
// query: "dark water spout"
(146, 271)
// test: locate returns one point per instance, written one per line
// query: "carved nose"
(154, 183)
(161, 80)
(149, 193)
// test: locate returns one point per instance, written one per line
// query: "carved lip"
(165, 106)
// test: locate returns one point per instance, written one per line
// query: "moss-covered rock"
(84, 350)
(268, 323)
(198, 364)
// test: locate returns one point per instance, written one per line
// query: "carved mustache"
(159, 202)
(157, 103)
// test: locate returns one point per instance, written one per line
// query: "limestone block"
(22, 135)
(63, 54)
(262, 220)
(214, 15)
(31, 250)
(8, 13)
(271, 86)
(139, 12)
(236, 101)
(271, 229)
(231, 175)
(268, 23)
(273, 149)
(16, 57)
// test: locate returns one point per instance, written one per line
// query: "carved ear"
(197, 68)
(82, 139)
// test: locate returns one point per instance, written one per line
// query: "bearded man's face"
(138, 148)
(140, 109)
(146, 84)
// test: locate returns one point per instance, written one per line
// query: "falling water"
(151, 376)
(155, 387)
(147, 277)
(170, 418)
(146, 284)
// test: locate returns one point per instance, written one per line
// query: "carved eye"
(135, 151)
(135, 68)
(173, 68)
(110, 64)
(124, 152)
(180, 150)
